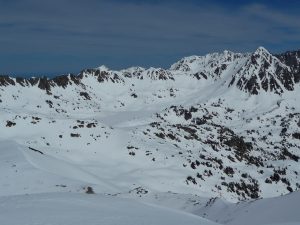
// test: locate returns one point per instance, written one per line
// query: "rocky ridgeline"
(252, 73)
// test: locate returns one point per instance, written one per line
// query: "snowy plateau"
(214, 139)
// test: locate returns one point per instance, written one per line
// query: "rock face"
(6, 80)
(292, 59)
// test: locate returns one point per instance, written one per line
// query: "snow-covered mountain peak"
(102, 68)
(211, 66)
(262, 55)
(227, 52)
(263, 72)
(261, 49)
(133, 69)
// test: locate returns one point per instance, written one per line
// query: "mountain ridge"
(270, 74)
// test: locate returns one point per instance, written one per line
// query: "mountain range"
(220, 126)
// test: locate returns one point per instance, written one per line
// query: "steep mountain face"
(292, 59)
(221, 125)
(262, 71)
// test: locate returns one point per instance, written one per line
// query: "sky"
(42, 37)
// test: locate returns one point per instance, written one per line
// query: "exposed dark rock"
(50, 103)
(244, 189)
(171, 136)
(102, 75)
(191, 179)
(275, 177)
(285, 181)
(89, 190)
(239, 144)
(286, 153)
(160, 135)
(229, 171)
(160, 74)
(200, 75)
(187, 115)
(90, 125)
(291, 59)
(139, 191)
(268, 181)
(220, 69)
(193, 165)
(187, 129)
(199, 121)
(85, 95)
(134, 95)
(44, 84)
(61, 81)
(74, 135)
(289, 189)
(22, 81)
(296, 135)
(35, 150)
(6, 80)
(10, 123)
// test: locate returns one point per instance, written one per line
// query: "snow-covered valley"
(214, 137)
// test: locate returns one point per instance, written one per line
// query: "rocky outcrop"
(292, 59)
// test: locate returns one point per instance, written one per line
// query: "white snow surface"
(279, 210)
(78, 209)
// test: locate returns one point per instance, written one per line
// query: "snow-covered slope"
(279, 210)
(223, 125)
(210, 66)
(73, 209)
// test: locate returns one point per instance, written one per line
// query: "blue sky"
(39, 37)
